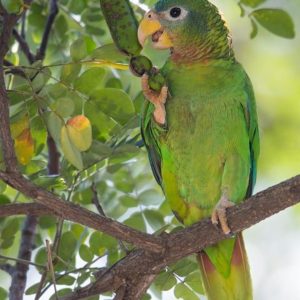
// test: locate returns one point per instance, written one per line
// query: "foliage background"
(125, 184)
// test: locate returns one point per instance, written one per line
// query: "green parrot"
(201, 132)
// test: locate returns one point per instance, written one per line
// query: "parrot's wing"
(150, 131)
(249, 108)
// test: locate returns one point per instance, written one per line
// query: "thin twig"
(50, 266)
(22, 261)
(53, 12)
(96, 202)
(24, 46)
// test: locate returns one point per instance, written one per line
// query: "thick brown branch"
(140, 264)
(69, 211)
(140, 267)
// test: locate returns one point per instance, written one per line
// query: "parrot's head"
(192, 29)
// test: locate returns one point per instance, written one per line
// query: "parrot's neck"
(212, 45)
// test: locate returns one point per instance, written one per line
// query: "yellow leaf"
(19, 125)
(24, 147)
(71, 153)
(80, 132)
(105, 63)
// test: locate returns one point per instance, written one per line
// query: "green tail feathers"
(226, 283)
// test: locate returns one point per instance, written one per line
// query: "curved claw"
(219, 214)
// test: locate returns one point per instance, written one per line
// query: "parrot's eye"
(175, 12)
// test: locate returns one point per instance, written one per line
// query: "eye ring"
(175, 12)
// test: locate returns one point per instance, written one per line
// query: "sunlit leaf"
(70, 151)
(194, 281)
(85, 253)
(252, 3)
(80, 132)
(276, 21)
(182, 291)
(90, 80)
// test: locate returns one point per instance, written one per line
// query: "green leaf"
(154, 218)
(54, 125)
(39, 133)
(83, 277)
(90, 80)
(108, 52)
(182, 291)
(41, 257)
(76, 7)
(276, 21)
(150, 197)
(85, 253)
(194, 281)
(184, 267)
(4, 199)
(114, 83)
(40, 79)
(96, 244)
(146, 297)
(69, 149)
(11, 228)
(78, 49)
(32, 289)
(46, 222)
(128, 201)
(252, 3)
(165, 281)
(254, 30)
(61, 293)
(114, 103)
(67, 247)
(136, 221)
(7, 242)
(69, 72)
(64, 107)
(12, 6)
(66, 280)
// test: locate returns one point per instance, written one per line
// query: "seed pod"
(122, 24)
(140, 65)
(156, 80)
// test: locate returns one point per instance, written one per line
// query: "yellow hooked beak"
(150, 26)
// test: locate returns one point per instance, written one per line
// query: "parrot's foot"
(158, 100)
(219, 214)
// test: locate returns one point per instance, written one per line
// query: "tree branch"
(18, 282)
(140, 266)
(69, 211)
(53, 12)
(24, 46)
